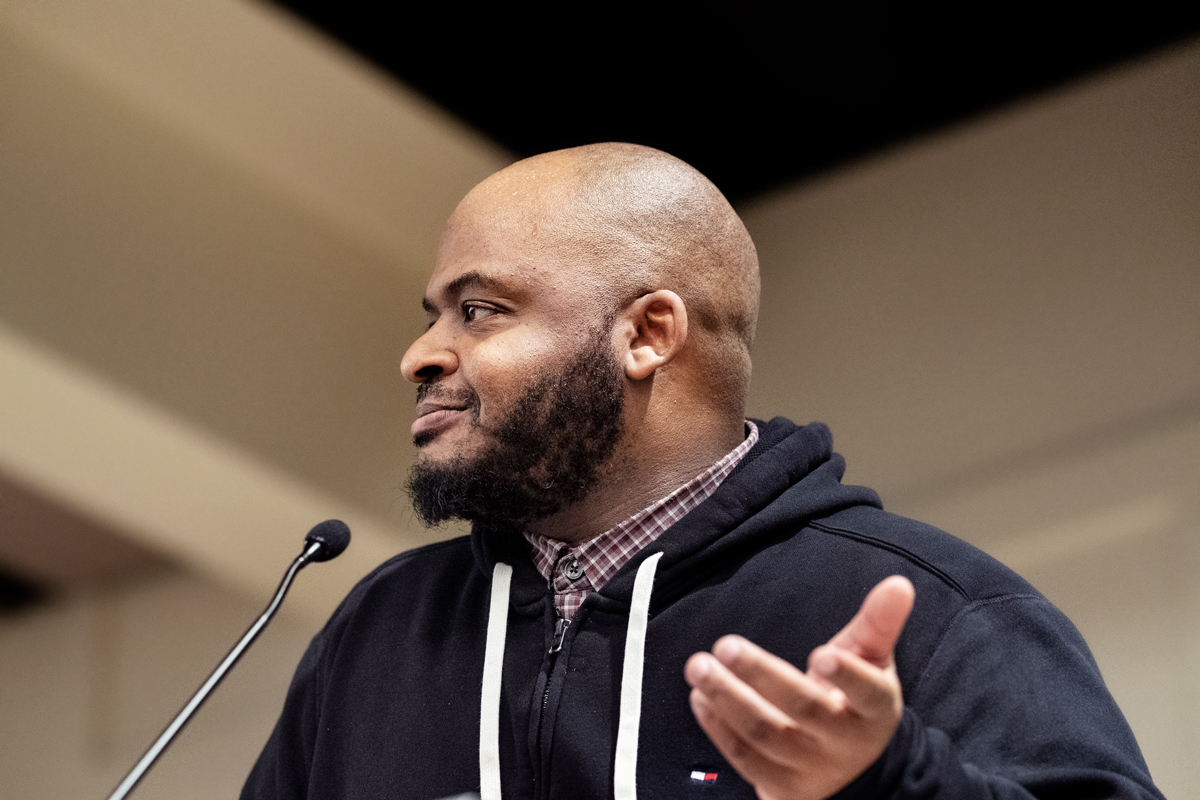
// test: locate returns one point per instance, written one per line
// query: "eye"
(473, 312)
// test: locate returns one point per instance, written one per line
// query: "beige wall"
(213, 232)
(93, 679)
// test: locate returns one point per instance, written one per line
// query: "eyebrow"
(472, 279)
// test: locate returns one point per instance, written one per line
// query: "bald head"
(628, 220)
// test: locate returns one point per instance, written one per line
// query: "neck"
(644, 469)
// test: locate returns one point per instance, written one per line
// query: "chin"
(440, 447)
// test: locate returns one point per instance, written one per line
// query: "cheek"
(500, 369)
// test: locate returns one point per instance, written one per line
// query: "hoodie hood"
(790, 476)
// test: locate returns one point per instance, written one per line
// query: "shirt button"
(573, 570)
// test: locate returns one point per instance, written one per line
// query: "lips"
(439, 410)
(433, 419)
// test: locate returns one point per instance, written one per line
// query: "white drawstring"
(625, 767)
(493, 666)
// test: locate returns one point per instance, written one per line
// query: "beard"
(546, 454)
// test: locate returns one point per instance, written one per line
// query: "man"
(580, 398)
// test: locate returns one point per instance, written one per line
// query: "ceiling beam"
(169, 486)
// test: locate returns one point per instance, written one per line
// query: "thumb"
(873, 632)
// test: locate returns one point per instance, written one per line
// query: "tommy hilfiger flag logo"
(699, 776)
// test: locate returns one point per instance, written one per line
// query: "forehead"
(512, 238)
(490, 261)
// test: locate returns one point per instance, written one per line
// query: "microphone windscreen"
(334, 536)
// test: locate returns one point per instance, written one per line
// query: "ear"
(656, 329)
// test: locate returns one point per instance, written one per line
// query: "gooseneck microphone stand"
(323, 542)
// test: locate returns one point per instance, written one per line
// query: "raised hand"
(804, 735)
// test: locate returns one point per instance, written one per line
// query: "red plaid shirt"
(573, 573)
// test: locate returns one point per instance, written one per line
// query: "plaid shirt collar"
(573, 573)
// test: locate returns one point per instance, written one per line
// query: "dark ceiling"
(754, 95)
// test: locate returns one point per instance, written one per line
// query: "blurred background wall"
(215, 229)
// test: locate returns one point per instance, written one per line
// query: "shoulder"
(935, 555)
(961, 592)
(421, 563)
(411, 585)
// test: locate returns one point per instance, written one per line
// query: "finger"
(779, 682)
(755, 721)
(873, 632)
(731, 698)
(758, 770)
(867, 690)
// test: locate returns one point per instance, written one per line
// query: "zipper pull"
(560, 633)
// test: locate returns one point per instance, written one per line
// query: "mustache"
(438, 393)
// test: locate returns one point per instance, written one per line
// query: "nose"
(429, 357)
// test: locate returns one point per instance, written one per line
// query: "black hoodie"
(1002, 697)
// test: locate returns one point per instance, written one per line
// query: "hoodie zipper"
(560, 633)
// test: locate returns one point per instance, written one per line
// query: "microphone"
(332, 535)
(325, 541)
